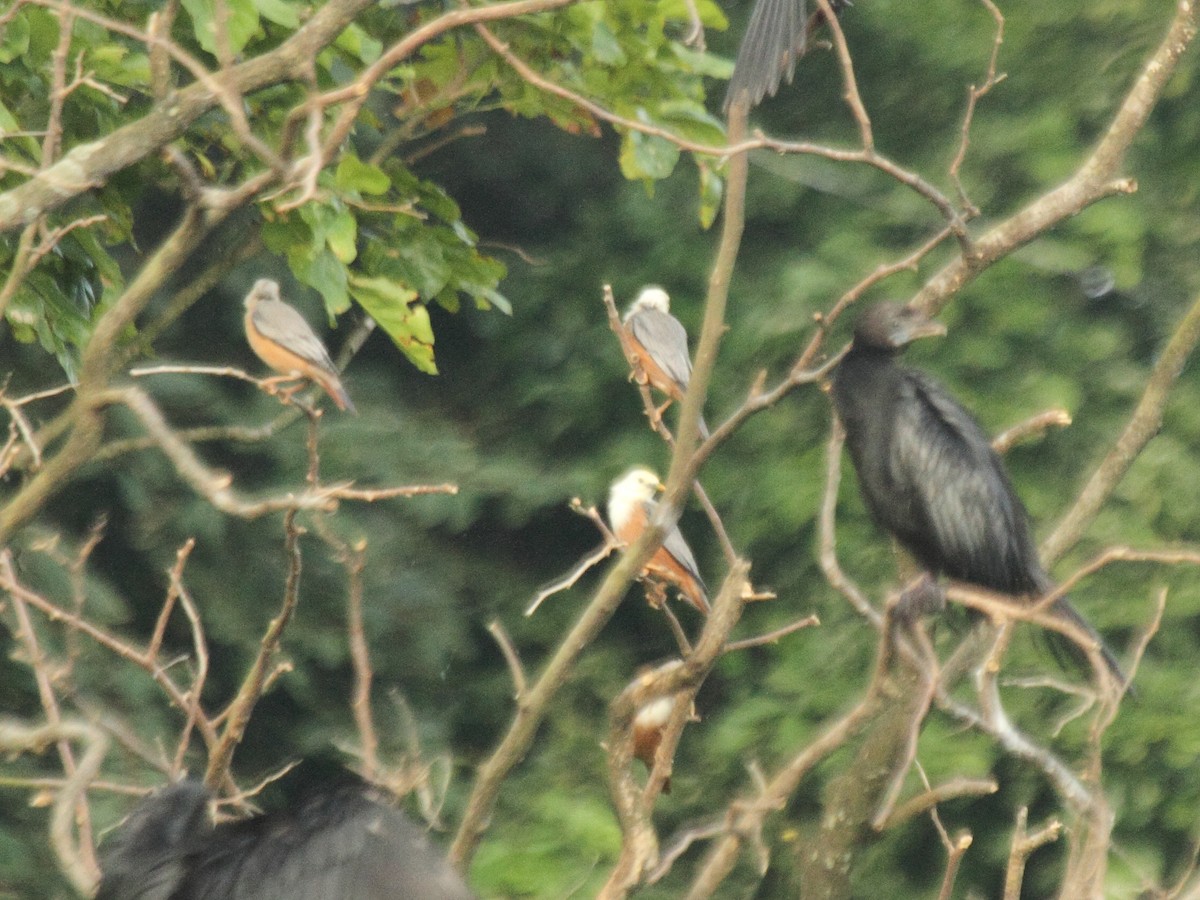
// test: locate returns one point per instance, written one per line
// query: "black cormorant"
(927, 470)
(340, 842)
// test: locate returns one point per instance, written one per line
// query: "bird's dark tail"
(1063, 608)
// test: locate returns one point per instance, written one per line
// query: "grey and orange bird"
(631, 508)
(660, 344)
(284, 340)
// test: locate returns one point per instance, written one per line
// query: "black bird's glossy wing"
(775, 38)
(144, 858)
(666, 340)
(341, 842)
(960, 514)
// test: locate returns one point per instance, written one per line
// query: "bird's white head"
(636, 484)
(635, 487)
(264, 289)
(651, 297)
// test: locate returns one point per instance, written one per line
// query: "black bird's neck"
(862, 389)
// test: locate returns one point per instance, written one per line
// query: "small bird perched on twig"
(284, 340)
(660, 343)
(631, 509)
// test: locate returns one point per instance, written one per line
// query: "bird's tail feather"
(1063, 608)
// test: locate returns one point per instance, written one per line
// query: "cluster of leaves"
(370, 230)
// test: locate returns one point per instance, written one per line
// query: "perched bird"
(631, 508)
(927, 470)
(340, 842)
(282, 339)
(648, 725)
(776, 36)
(660, 344)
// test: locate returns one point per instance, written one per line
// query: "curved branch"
(1143, 425)
(90, 165)
(1095, 179)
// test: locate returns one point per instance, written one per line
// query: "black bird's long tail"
(1063, 608)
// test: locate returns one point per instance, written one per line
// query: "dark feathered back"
(339, 842)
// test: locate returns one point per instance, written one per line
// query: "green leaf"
(16, 39)
(327, 275)
(645, 156)
(606, 49)
(701, 62)
(342, 235)
(278, 11)
(712, 189)
(355, 175)
(497, 299)
(355, 41)
(242, 24)
(391, 304)
(7, 121)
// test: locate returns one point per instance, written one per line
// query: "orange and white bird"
(648, 725)
(284, 340)
(631, 508)
(660, 343)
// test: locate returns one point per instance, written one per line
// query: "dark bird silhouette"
(927, 470)
(776, 36)
(339, 842)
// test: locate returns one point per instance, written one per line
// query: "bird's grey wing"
(675, 544)
(964, 494)
(280, 323)
(666, 340)
(774, 40)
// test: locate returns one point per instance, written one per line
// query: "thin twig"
(511, 657)
(771, 637)
(1143, 425)
(238, 712)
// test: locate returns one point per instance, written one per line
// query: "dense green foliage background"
(531, 408)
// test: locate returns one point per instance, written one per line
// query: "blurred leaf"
(14, 40)
(281, 12)
(241, 25)
(355, 175)
(406, 322)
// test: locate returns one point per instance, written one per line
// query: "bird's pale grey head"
(264, 289)
(891, 326)
(651, 297)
